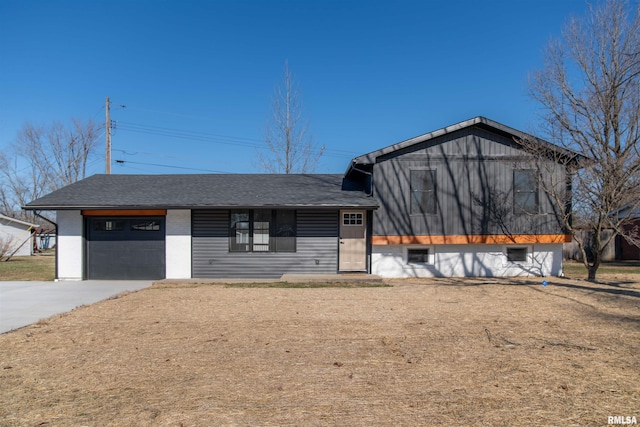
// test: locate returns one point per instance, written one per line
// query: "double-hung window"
(239, 240)
(525, 192)
(262, 230)
(285, 230)
(423, 191)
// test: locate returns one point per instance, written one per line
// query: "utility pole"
(108, 145)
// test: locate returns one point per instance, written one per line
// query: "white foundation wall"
(178, 244)
(473, 260)
(69, 249)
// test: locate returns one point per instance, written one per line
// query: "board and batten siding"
(316, 248)
(474, 179)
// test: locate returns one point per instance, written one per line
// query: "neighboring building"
(625, 250)
(460, 201)
(618, 248)
(572, 251)
(16, 237)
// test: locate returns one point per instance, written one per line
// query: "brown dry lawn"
(421, 352)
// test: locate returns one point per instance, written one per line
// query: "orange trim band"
(124, 212)
(501, 239)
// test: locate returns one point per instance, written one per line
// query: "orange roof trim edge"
(124, 212)
(501, 239)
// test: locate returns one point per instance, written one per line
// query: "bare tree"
(43, 159)
(589, 89)
(290, 147)
(5, 245)
(18, 186)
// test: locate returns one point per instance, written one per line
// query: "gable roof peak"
(478, 121)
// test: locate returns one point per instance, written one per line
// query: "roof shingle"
(204, 191)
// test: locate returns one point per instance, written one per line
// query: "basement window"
(517, 254)
(418, 256)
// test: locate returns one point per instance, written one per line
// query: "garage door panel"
(125, 248)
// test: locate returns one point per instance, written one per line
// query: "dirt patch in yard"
(421, 352)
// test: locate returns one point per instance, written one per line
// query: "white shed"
(16, 236)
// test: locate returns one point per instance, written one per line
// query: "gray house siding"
(316, 247)
(474, 171)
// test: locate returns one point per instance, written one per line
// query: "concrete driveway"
(24, 303)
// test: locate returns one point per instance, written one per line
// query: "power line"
(159, 130)
(212, 137)
(191, 159)
(133, 168)
(100, 111)
(122, 162)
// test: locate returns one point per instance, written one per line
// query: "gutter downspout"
(370, 192)
(369, 215)
(45, 218)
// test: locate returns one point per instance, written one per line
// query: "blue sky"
(197, 77)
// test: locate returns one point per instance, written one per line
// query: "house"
(465, 201)
(182, 226)
(460, 201)
(16, 237)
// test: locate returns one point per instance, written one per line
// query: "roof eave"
(368, 205)
(17, 221)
